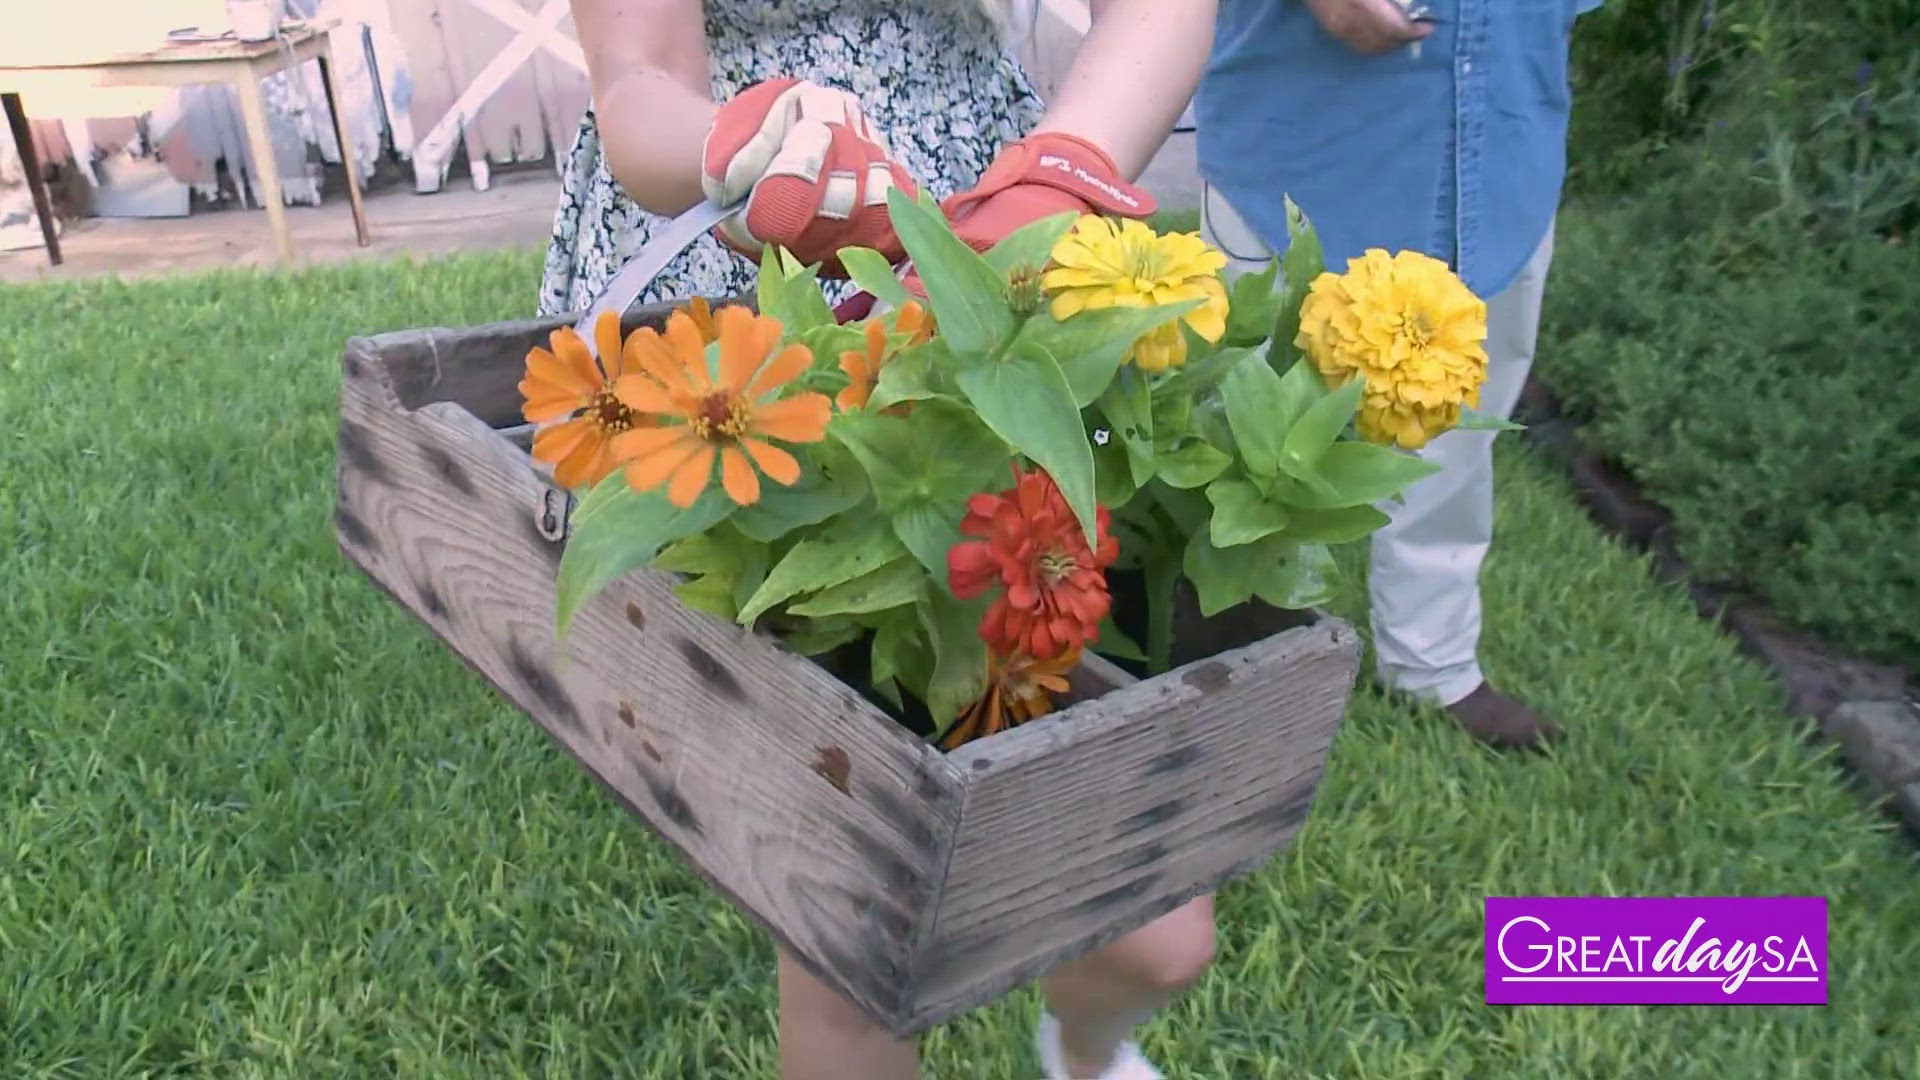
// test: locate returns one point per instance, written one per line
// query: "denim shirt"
(1458, 152)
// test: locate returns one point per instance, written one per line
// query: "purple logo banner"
(1667, 950)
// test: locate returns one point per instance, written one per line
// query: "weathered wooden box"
(917, 883)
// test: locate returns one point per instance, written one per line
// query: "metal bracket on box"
(555, 516)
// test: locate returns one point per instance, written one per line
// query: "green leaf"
(1024, 398)
(900, 654)
(1128, 407)
(711, 593)
(1194, 378)
(1475, 420)
(1112, 642)
(1113, 482)
(1253, 305)
(1241, 514)
(1316, 430)
(702, 553)
(969, 299)
(1090, 344)
(1031, 245)
(1301, 576)
(1339, 526)
(1222, 577)
(959, 673)
(1256, 406)
(846, 548)
(893, 585)
(830, 483)
(823, 637)
(1359, 474)
(1170, 414)
(790, 292)
(826, 343)
(929, 528)
(874, 274)
(1303, 262)
(1189, 509)
(910, 375)
(617, 529)
(923, 470)
(1196, 463)
(942, 452)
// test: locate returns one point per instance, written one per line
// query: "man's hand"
(1368, 27)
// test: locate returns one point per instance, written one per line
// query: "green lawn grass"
(254, 822)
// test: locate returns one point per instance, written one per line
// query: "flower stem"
(1163, 573)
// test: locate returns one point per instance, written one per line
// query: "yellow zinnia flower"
(1412, 329)
(1104, 263)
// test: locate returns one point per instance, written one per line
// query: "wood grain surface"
(917, 884)
(1121, 808)
(669, 707)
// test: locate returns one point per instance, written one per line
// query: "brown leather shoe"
(1502, 721)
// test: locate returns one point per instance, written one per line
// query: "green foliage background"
(1736, 295)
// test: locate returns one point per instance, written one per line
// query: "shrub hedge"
(1734, 308)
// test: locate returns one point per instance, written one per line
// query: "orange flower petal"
(635, 443)
(792, 362)
(649, 472)
(738, 477)
(800, 418)
(543, 403)
(689, 352)
(701, 313)
(643, 395)
(546, 369)
(575, 358)
(606, 341)
(582, 467)
(767, 331)
(646, 351)
(780, 466)
(690, 479)
(853, 397)
(553, 444)
(739, 358)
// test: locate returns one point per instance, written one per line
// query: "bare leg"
(823, 1037)
(1100, 998)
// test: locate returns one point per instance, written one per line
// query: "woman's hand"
(814, 174)
(1046, 173)
(802, 153)
(1132, 76)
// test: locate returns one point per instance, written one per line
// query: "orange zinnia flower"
(1030, 542)
(729, 419)
(1019, 688)
(698, 310)
(863, 367)
(573, 397)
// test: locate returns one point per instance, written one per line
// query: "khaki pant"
(1424, 582)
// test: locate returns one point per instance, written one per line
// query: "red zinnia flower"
(1030, 542)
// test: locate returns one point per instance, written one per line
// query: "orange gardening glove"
(1046, 173)
(815, 174)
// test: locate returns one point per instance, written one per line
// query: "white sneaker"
(1128, 1062)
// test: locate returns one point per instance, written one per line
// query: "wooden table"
(52, 67)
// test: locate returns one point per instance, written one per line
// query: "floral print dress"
(932, 76)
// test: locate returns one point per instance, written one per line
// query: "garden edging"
(1867, 709)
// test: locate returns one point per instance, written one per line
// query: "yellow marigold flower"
(1103, 263)
(1412, 329)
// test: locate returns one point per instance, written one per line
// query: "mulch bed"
(1868, 709)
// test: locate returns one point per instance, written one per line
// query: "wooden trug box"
(919, 884)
